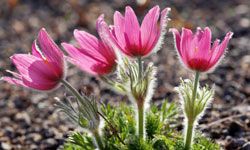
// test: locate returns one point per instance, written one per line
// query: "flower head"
(93, 55)
(131, 38)
(41, 70)
(195, 50)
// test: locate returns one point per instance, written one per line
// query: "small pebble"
(246, 146)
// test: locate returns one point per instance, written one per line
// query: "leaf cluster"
(160, 127)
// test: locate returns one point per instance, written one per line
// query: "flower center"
(196, 49)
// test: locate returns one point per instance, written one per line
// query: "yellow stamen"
(196, 49)
(45, 60)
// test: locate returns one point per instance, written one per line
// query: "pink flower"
(41, 70)
(92, 55)
(195, 50)
(132, 39)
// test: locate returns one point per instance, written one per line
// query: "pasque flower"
(196, 53)
(92, 55)
(195, 50)
(131, 38)
(41, 70)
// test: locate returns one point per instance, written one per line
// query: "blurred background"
(29, 120)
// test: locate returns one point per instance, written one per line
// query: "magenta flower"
(131, 38)
(195, 50)
(92, 55)
(41, 70)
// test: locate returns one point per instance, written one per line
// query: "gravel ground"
(29, 120)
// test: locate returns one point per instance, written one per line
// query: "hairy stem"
(140, 102)
(98, 139)
(140, 67)
(140, 106)
(196, 81)
(190, 121)
(189, 135)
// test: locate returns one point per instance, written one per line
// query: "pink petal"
(149, 28)
(13, 81)
(34, 73)
(186, 41)
(161, 33)
(198, 34)
(132, 30)
(14, 74)
(108, 42)
(177, 39)
(79, 59)
(204, 45)
(119, 29)
(34, 69)
(219, 51)
(83, 66)
(50, 50)
(205, 41)
(90, 45)
(43, 86)
(215, 44)
(36, 51)
(27, 84)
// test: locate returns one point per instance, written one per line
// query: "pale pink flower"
(92, 55)
(132, 39)
(195, 50)
(41, 70)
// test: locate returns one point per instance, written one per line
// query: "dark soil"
(29, 120)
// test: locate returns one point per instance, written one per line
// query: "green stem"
(141, 120)
(196, 81)
(139, 60)
(140, 102)
(190, 125)
(189, 135)
(98, 139)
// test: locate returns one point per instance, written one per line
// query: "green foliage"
(122, 118)
(153, 124)
(79, 141)
(203, 143)
(136, 143)
(160, 130)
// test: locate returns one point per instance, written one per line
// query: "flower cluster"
(120, 50)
